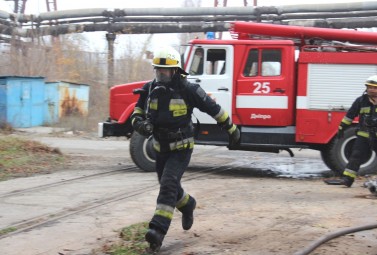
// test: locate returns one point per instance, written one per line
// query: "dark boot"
(345, 180)
(188, 213)
(154, 237)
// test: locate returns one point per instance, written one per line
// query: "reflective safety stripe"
(177, 145)
(182, 144)
(179, 113)
(177, 104)
(178, 107)
(350, 173)
(156, 146)
(183, 201)
(165, 61)
(363, 134)
(231, 130)
(347, 120)
(364, 110)
(370, 83)
(153, 104)
(138, 110)
(164, 211)
(221, 116)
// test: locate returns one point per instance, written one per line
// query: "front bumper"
(106, 129)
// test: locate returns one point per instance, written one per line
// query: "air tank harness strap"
(168, 134)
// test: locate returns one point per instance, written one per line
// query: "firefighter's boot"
(154, 237)
(344, 180)
(187, 211)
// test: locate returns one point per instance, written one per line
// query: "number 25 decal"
(261, 87)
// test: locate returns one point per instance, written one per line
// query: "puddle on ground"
(282, 167)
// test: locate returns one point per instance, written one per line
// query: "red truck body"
(291, 90)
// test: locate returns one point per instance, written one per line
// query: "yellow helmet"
(166, 57)
(371, 81)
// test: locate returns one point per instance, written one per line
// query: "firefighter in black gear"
(164, 110)
(365, 107)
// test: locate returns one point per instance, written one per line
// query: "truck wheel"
(337, 152)
(142, 152)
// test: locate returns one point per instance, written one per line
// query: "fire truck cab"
(287, 91)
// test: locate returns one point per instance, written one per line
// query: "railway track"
(131, 173)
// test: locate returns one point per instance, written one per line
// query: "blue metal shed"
(66, 99)
(22, 100)
(51, 107)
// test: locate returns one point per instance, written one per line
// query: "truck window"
(197, 62)
(270, 63)
(214, 63)
(251, 67)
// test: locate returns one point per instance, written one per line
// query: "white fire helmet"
(167, 57)
(371, 81)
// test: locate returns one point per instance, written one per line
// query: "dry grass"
(20, 157)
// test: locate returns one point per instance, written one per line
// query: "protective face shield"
(164, 75)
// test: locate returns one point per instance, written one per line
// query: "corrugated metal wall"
(74, 99)
(23, 100)
(3, 101)
(51, 109)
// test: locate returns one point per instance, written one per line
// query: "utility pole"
(110, 37)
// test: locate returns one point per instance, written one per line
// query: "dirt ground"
(237, 211)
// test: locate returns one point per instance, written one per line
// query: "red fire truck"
(284, 86)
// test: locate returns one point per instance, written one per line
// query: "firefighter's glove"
(341, 129)
(234, 137)
(145, 128)
(233, 131)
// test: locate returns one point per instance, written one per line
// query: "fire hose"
(371, 184)
(333, 235)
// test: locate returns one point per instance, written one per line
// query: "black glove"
(234, 137)
(233, 131)
(145, 128)
(341, 129)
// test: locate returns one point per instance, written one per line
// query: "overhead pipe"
(120, 28)
(329, 7)
(123, 20)
(194, 11)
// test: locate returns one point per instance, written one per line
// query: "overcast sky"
(38, 6)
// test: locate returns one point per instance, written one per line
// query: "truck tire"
(142, 152)
(335, 155)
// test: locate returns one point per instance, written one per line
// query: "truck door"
(265, 86)
(211, 66)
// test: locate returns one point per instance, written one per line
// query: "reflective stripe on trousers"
(170, 167)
